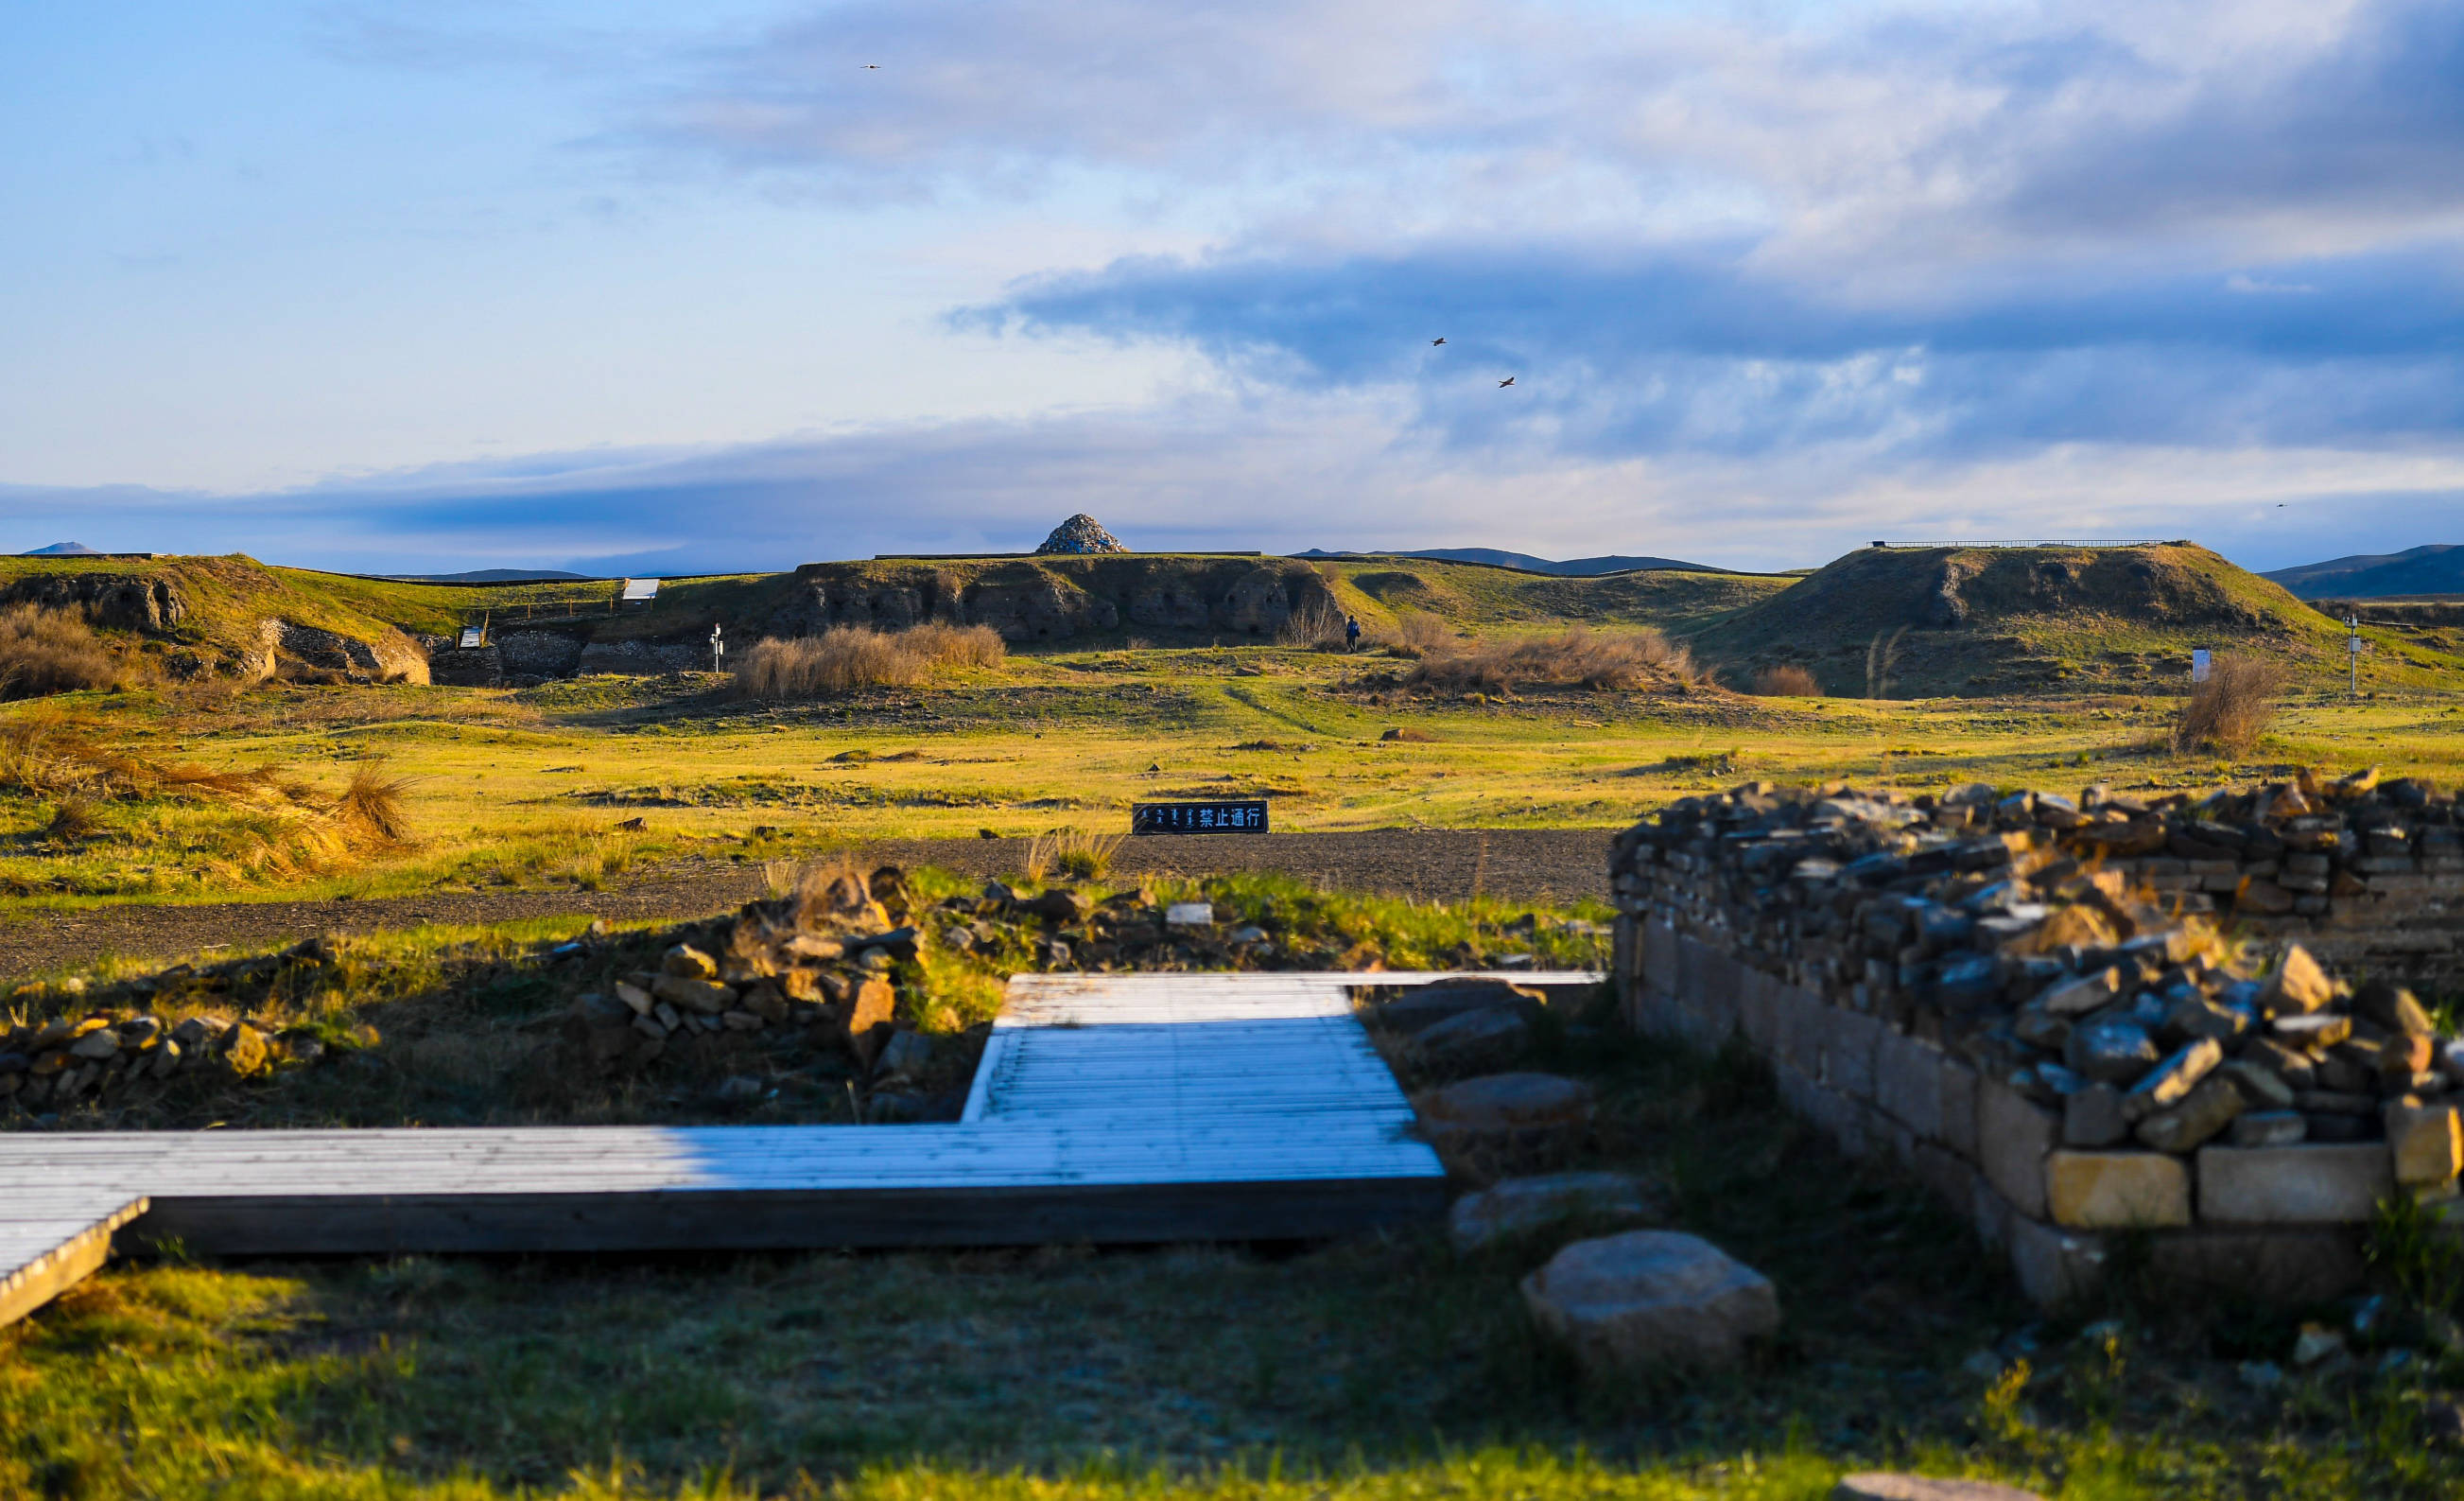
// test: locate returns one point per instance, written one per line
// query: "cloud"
(1266, 470)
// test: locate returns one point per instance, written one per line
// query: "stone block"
(2313, 1184)
(1907, 1082)
(1693, 960)
(1797, 1023)
(2093, 1117)
(1990, 1213)
(2286, 1266)
(1951, 1179)
(2118, 1190)
(1660, 957)
(2055, 1267)
(1959, 1086)
(2013, 1135)
(2424, 1143)
(1757, 1009)
(1849, 1039)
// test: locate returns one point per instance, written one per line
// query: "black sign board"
(1198, 818)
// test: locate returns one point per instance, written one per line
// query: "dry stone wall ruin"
(2091, 1026)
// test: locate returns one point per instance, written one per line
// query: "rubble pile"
(184, 1028)
(2096, 972)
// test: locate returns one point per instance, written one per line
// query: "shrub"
(846, 658)
(2229, 711)
(45, 652)
(1786, 681)
(1419, 635)
(1596, 659)
(1317, 625)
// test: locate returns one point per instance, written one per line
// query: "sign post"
(2353, 651)
(1238, 816)
(718, 649)
(2199, 665)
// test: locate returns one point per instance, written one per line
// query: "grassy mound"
(1918, 622)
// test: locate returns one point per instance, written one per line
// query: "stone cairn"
(817, 959)
(1080, 534)
(2056, 1011)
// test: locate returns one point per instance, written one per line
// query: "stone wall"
(2064, 1027)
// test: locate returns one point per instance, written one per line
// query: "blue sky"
(624, 285)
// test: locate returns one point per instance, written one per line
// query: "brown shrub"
(45, 652)
(1316, 625)
(846, 658)
(1419, 635)
(1584, 657)
(2229, 711)
(1786, 681)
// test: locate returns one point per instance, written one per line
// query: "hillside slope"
(1496, 557)
(1916, 622)
(195, 617)
(2437, 569)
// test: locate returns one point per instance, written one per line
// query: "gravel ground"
(1532, 865)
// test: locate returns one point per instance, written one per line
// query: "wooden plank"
(786, 1220)
(1107, 1108)
(39, 1268)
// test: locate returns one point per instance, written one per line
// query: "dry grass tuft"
(46, 652)
(375, 805)
(73, 820)
(2229, 711)
(846, 658)
(1082, 853)
(1786, 681)
(1583, 657)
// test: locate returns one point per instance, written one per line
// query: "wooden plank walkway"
(1107, 1108)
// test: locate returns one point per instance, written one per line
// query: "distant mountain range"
(2437, 569)
(63, 550)
(1573, 568)
(491, 576)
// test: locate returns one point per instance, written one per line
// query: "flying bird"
(1503, 384)
(1435, 342)
(875, 65)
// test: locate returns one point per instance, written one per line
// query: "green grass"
(526, 788)
(1373, 1368)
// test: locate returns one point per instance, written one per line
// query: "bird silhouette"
(1503, 384)
(875, 65)
(1434, 342)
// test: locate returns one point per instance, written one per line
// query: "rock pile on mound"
(121, 1053)
(1080, 534)
(818, 959)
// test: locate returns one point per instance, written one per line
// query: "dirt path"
(1527, 865)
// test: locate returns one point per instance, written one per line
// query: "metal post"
(718, 649)
(2353, 655)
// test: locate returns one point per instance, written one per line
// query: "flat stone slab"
(1876, 1486)
(1649, 1299)
(1522, 1206)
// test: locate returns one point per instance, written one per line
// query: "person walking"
(1352, 632)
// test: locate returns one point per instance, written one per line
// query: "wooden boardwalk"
(1107, 1109)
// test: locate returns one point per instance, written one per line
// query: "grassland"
(1382, 1367)
(1374, 1369)
(540, 787)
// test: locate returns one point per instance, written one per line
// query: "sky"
(622, 286)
